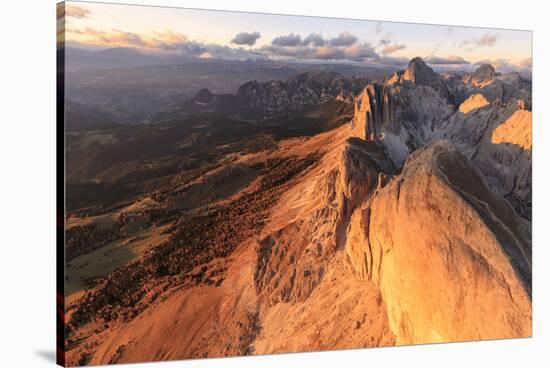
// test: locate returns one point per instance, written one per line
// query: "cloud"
(76, 11)
(228, 53)
(486, 40)
(288, 40)
(314, 39)
(506, 66)
(451, 60)
(164, 42)
(436, 48)
(116, 37)
(245, 38)
(360, 52)
(355, 52)
(386, 40)
(169, 37)
(343, 47)
(393, 48)
(343, 39)
(389, 45)
(526, 63)
(391, 61)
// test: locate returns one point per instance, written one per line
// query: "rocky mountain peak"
(373, 110)
(420, 73)
(417, 61)
(484, 72)
(204, 95)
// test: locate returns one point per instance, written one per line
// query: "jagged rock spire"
(420, 73)
(373, 110)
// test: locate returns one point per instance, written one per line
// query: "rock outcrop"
(422, 75)
(505, 157)
(451, 258)
(482, 75)
(294, 252)
(374, 111)
(473, 102)
(411, 110)
(418, 72)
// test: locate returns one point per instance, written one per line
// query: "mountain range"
(317, 211)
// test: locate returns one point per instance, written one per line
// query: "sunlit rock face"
(422, 75)
(473, 102)
(447, 240)
(516, 130)
(505, 157)
(451, 258)
(484, 74)
(374, 111)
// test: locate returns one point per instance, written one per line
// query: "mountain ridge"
(408, 223)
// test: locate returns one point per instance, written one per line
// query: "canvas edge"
(60, 184)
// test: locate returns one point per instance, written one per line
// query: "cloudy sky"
(231, 35)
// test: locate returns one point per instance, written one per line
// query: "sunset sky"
(232, 35)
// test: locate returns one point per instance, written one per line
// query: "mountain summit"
(484, 73)
(420, 73)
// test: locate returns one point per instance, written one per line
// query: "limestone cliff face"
(505, 158)
(452, 259)
(483, 74)
(411, 110)
(473, 102)
(422, 75)
(295, 252)
(447, 240)
(418, 72)
(374, 110)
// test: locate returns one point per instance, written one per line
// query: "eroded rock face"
(451, 258)
(256, 100)
(505, 158)
(473, 102)
(483, 74)
(410, 111)
(374, 111)
(293, 259)
(422, 75)
(516, 130)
